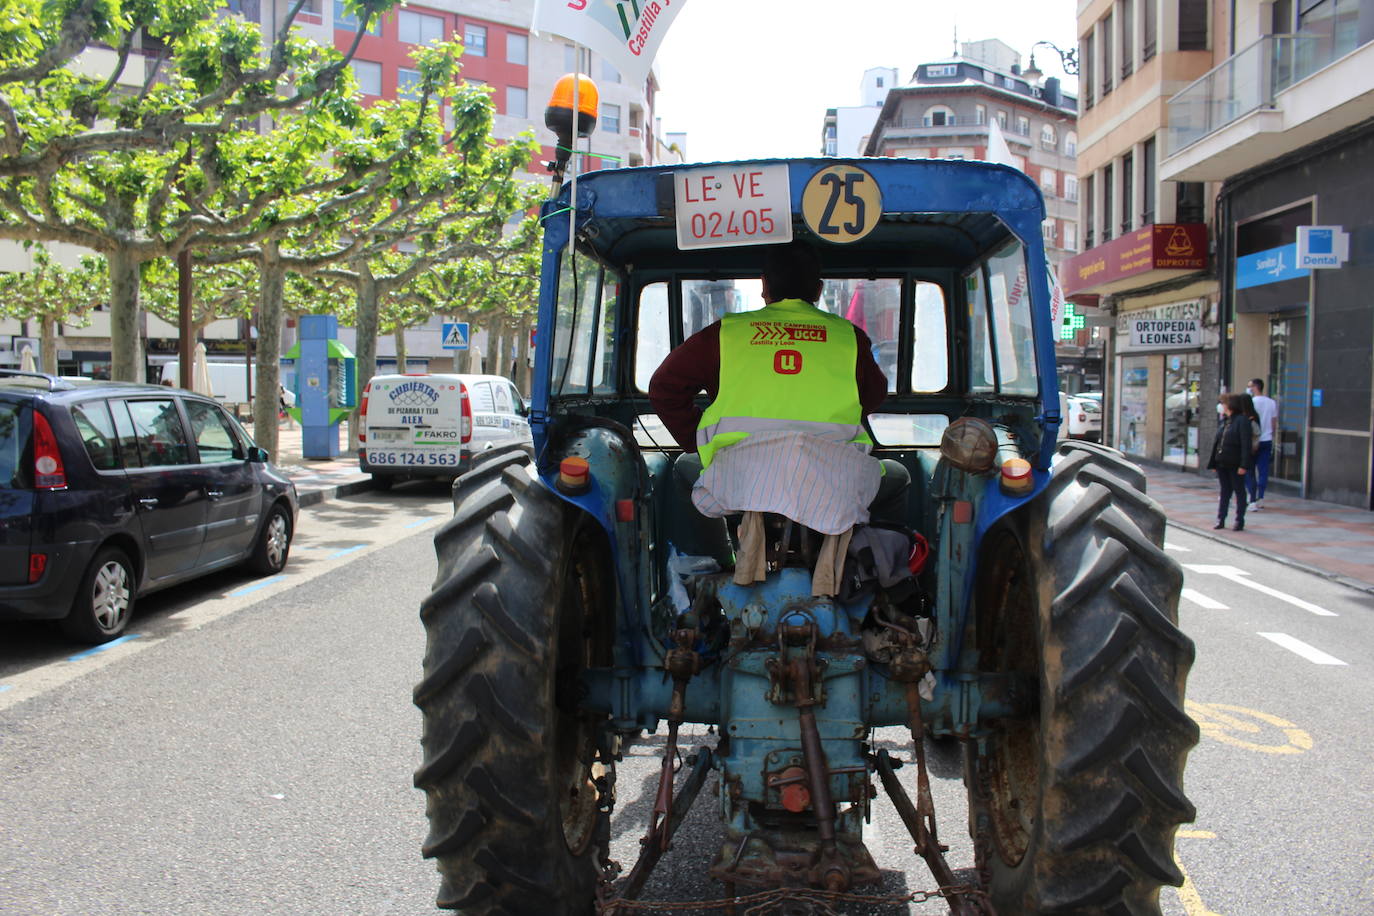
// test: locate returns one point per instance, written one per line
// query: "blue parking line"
(247, 589)
(101, 648)
(424, 521)
(347, 550)
(4, 687)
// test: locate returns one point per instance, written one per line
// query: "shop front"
(1159, 368)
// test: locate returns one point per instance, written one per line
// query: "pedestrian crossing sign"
(455, 335)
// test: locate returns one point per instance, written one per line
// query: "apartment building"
(1145, 260)
(1283, 124)
(1218, 138)
(500, 52)
(946, 112)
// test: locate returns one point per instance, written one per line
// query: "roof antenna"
(956, 40)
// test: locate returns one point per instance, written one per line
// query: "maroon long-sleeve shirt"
(695, 367)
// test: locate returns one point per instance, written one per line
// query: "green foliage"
(51, 291)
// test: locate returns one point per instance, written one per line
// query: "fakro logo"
(787, 362)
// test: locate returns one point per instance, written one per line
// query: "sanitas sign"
(1322, 247)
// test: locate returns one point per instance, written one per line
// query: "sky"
(753, 78)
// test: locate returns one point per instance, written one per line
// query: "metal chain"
(763, 902)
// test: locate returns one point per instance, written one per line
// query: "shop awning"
(1149, 255)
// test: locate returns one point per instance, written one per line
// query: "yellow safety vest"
(787, 366)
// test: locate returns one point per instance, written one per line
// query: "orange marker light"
(1016, 477)
(574, 475)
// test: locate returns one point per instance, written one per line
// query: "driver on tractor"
(790, 386)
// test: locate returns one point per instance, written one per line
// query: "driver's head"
(792, 271)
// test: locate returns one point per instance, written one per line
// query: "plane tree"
(51, 295)
(122, 121)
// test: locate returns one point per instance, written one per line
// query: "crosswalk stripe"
(1202, 600)
(1311, 653)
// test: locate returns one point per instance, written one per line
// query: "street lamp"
(1068, 60)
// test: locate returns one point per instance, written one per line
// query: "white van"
(430, 426)
(228, 381)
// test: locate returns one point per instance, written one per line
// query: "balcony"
(1276, 96)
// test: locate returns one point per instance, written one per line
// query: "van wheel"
(274, 544)
(105, 599)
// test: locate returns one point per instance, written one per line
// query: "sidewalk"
(318, 479)
(1329, 539)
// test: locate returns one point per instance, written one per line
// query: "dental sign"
(724, 206)
(1322, 247)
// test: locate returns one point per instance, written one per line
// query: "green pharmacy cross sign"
(1072, 323)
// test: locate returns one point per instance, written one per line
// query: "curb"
(1285, 561)
(311, 497)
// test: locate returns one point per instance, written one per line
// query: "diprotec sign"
(724, 206)
(1322, 247)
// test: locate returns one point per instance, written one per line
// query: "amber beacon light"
(575, 100)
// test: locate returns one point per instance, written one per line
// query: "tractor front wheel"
(516, 818)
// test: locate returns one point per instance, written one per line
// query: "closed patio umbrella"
(26, 361)
(200, 372)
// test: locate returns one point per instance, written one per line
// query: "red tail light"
(38, 564)
(48, 471)
(466, 428)
(362, 427)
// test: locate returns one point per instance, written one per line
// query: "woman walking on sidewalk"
(1233, 458)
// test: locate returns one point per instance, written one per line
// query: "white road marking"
(1178, 549)
(1312, 654)
(1241, 577)
(1202, 600)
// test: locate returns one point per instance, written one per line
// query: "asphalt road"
(250, 750)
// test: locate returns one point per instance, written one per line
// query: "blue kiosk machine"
(326, 386)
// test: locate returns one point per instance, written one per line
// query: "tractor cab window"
(1002, 350)
(583, 337)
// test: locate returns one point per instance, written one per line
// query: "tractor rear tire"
(515, 816)
(1075, 809)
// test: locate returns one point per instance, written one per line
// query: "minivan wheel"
(105, 600)
(274, 544)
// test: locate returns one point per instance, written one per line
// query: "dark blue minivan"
(110, 490)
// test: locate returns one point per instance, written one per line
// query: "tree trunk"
(503, 358)
(400, 335)
(367, 338)
(267, 376)
(522, 374)
(47, 347)
(491, 360)
(126, 345)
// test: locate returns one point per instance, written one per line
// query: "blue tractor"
(582, 601)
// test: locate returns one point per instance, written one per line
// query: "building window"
(1023, 125)
(347, 22)
(1049, 137)
(880, 82)
(1087, 210)
(1127, 17)
(938, 116)
(1071, 187)
(1127, 191)
(407, 83)
(1147, 175)
(940, 70)
(1071, 236)
(1002, 119)
(1107, 211)
(1071, 143)
(1049, 181)
(517, 102)
(419, 29)
(1192, 25)
(1085, 60)
(980, 114)
(609, 74)
(575, 63)
(610, 118)
(368, 75)
(517, 48)
(1188, 206)
(1049, 229)
(830, 147)
(955, 152)
(474, 40)
(1149, 30)
(1106, 26)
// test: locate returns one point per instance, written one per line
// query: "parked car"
(110, 490)
(430, 425)
(1083, 418)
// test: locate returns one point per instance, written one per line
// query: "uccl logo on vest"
(787, 362)
(776, 333)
